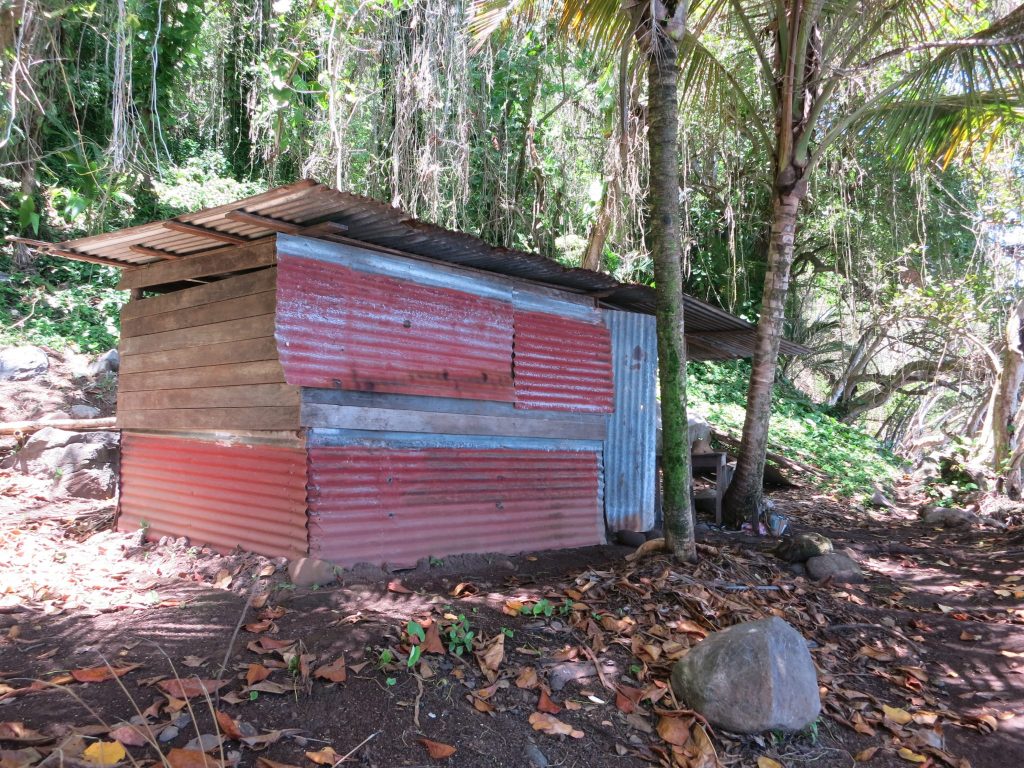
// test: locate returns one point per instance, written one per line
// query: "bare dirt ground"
(566, 666)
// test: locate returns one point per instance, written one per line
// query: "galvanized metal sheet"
(629, 454)
(216, 494)
(343, 328)
(375, 223)
(562, 364)
(398, 505)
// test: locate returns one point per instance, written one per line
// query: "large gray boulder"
(22, 363)
(751, 678)
(80, 411)
(949, 517)
(108, 362)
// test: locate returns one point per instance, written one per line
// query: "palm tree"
(656, 28)
(816, 62)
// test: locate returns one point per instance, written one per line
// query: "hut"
(309, 371)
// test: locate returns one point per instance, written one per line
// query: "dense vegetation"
(905, 273)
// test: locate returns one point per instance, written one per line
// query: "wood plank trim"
(267, 222)
(263, 419)
(144, 250)
(247, 351)
(211, 234)
(252, 305)
(233, 396)
(242, 329)
(230, 374)
(221, 261)
(318, 416)
(229, 288)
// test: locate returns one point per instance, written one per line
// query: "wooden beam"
(51, 249)
(221, 261)
(326, 228)
(144, 250)
(76, 425)
(212, 234)
(288, 227)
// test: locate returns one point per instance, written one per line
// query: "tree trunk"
(998, 434)
(743, 499)
(666, 250)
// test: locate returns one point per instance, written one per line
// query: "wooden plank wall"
(204, 358)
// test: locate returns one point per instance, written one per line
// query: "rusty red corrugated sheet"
(218, 495)
(338, 327)
(562, 364)
(398, 505)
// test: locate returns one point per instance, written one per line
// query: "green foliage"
(459, 635)
(851, 459)
(64, 305)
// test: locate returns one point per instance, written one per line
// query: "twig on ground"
(416, 704)
(234, 635)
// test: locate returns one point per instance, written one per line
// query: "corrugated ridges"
(216, 494)
(562, 364)
(629, 456)
(339, 327)
(399, 505)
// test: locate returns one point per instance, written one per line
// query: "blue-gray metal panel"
(629, 455)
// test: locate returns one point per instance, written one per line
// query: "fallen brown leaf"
(190, 758)
(99, 674)
(256, 673)
(551, 725)
(437, 750)
(190, 687)
(18, 733)
(545, 704)
(674, 730)
(325, 756)
(335, 672)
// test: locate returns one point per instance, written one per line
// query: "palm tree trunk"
(743, 499)
(666, 249)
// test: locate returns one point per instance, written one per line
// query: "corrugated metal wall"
(216, 494)
(630, 446)
(339, 327)
(562, 363)
(395, 504)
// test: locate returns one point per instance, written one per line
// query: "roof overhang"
(315, 210)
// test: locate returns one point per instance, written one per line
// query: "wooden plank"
(321, 416)
(234, 396)
(258, 372)
(211, 234)
(143, 250)
(260, 253)
(214, 333)
(253, 305)
(265, 419)
(249, 350)
(266, 222)
(229, 288)
(440, 405)
(76, 425)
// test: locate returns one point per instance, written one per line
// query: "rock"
(630, 538)
(750, 678)
(534, 756)
(838, 566)
(170, 733)
(879, 499)
(798, 549)
(21, 363)
(949, 517)
(91, 484)
(797, 569)
(204, 742)
(84, 412)
(312, 572)
(108, 362)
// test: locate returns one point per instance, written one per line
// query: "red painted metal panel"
(398, 505)
(562, 364)
(341, 328)
(216, 494)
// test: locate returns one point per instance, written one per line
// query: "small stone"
(750, 678)
(204, 742)
(108, 362)
(22, 363)
(84, 412)
(534, 755)
(798, 549)
(838, 566)
(168, 734)
(312, 572)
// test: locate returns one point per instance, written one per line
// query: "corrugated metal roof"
(316, 210)
(562, 364)
(340, 327)
(629, 455)
(398, 505)
(223, 495)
